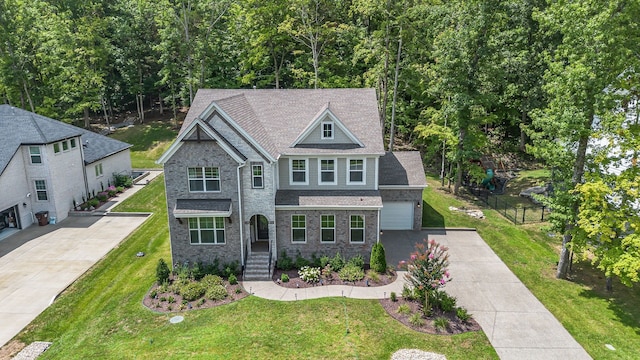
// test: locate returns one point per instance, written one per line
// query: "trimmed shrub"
(211, 280)
(162, 272)
(337, 262)
(393, 296)
(284, 262)
(119, 189)
(123, 180)
(357, 261)
(315, 261)
(216, 292)
(102, 196)
(192, 291)
(284, 278)
(233, 279)
(324, 261)
(301, 262)
(93, 202)
(378, 260)
(351, 272)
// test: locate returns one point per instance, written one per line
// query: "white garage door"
(396, 216)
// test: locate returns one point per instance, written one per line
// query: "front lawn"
(102, 316)
(593, 316)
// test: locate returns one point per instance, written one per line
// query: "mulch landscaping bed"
(455, 326)
(156, 304)
(295, 281)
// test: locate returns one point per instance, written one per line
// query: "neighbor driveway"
(516, 323)
(39, 262)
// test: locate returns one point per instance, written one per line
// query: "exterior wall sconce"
(419, 204)
(179, 220)
(381, 232)
(229, 219)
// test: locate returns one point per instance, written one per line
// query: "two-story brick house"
(297, 170)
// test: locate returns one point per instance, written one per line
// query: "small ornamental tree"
(378, 261)
(162, 272)
(427, 269)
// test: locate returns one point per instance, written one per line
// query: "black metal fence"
(516, 213)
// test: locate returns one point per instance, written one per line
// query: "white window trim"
(364, 226)
(328, 228)
(62, 143)
(333, 130)
(204, 180)
(214, 229)
(46, 191)
(59, 148)
(306, 172)
(73, 143)
(253, 176)
(31, 155)
(335, 171)
(364, 172)
(98, 170)
(305, 229)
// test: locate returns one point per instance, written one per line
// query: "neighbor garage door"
(396, 216)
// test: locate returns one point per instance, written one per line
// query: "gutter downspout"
(84, 168)
(241, 220)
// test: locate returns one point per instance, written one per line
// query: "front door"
(263, 228)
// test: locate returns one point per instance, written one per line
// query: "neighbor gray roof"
(275, 118)
(21, 127)
(402, 168)
(331, 198)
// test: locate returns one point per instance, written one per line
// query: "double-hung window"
(257, 177)
(328, 228)
(298, 228)
(99, 170)
(65, 145)
(34, 153)
(299, 171)
(72, 142)
(56, 147)
(204, 179)
(356, 228)
(327, 130)
(206, 230)
(327, 171)
(41, 190)
(356, 171)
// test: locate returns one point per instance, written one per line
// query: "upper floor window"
(327, 171)
(99, 170)
(34, 153)
(298, 228)
(204, 179)
(327, 130)
(206, 230)
(65, 145)
(56, 147)
(328, 228)
(356, 171)
(72, 142)
(299, 171)
(356, 229)
(257, 177)
(41, 190)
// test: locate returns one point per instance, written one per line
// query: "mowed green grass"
(101, 316)
(149, 140)
(593, 316)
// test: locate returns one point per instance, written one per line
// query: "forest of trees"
(455, 78)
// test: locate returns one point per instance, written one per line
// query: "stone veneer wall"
(205, 153)
(313, 244)
(413, 195)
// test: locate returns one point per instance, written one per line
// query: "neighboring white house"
(47, 165)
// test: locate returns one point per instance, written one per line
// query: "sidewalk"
(272, 291)
(39, 262)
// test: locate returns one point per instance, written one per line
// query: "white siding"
(14, 189)
(118, 163)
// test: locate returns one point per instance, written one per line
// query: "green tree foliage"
(378, 260)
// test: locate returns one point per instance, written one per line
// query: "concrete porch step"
(257, 267)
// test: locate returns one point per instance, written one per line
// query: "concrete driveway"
(39, 262)
(516, 323)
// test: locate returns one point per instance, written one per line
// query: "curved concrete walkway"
(272, 291)
(39, 262)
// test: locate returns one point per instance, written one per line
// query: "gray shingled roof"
(275, 118)
(351, 198)
(21, 127)
(401, 168)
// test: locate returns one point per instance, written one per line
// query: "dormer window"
(327, 130)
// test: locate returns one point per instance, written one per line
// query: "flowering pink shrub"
(427, 268)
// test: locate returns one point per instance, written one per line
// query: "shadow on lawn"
(623, 301)
(430, 217)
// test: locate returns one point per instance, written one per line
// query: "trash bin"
(43, 217)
